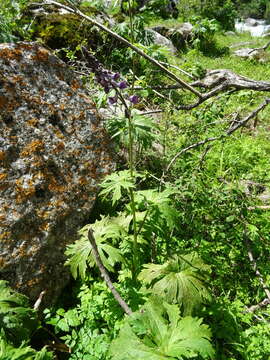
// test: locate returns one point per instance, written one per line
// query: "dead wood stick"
(254, 263)
(105, 275)
(259, 207)
(76, 11)
(249, 117)
(260, 48)
(261, 304)
(229, 132)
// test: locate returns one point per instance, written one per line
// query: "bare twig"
(39, 300)
(259, 207)
(179, 69)
(151, 112)
(229, 132)
(167, 87)
(260, 48)
(199, 143)
(258, 306)
(126, 42)
(105, 275)
(249, 117)
(220, 80)
(254, 263)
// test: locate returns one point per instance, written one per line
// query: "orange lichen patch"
(32, 122)
(3, 176)
(43, 214)
(34, 146)
(5, 235)
(2, 262)
(59, 147)
(26, 46)
(23, 192)
(75, 85)
(32, 282)
(17, 78)
(54, 186)
(41, 55)
(83, 181)
(62, 106)
(42, 267)
(11, 54)
(44, 227)
(76, 153)
(2, 155)
(3, 101)
(59, 134)
(2, 219)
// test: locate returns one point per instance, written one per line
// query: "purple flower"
(122, 85)
(134, 99)
(112, 99)
(116, 76)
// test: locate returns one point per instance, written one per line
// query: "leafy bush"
(17, 323)
(222, 11)
(157, 332)
(10, 27)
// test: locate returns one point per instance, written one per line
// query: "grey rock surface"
(162, 41)
(258, 54)
(53, 154)
(179, 36)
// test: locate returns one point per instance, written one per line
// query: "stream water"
(255, 27)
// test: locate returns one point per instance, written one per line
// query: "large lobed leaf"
(106, 230)
(157, 332)
(17, 319)
(180, 279)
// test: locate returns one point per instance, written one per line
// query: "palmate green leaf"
(116, 183)
(17, 319)
(8, 352)
(144, 130)
(160, 204)
(106, 231)
(180, 280)
(157, 332)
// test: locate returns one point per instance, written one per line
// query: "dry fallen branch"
(254, 263)
(260, 48)
(105, 275)
(261, 304)
(230, 131)
(221, 80)
(75, 10)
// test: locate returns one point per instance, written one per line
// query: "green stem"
(135, 262)
(132, 202)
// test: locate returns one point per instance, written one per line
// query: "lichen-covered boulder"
(53, 154)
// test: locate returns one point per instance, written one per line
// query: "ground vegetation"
(173, 263)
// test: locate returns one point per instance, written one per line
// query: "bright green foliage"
(257, 342)
(8, 352)
(105, 230)
(159, 204)
(17, 323)
(143, 131)
(157, 332)
(88, 328)
(116, 184)
(17, 319)
(179, 280)
(10, 28)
